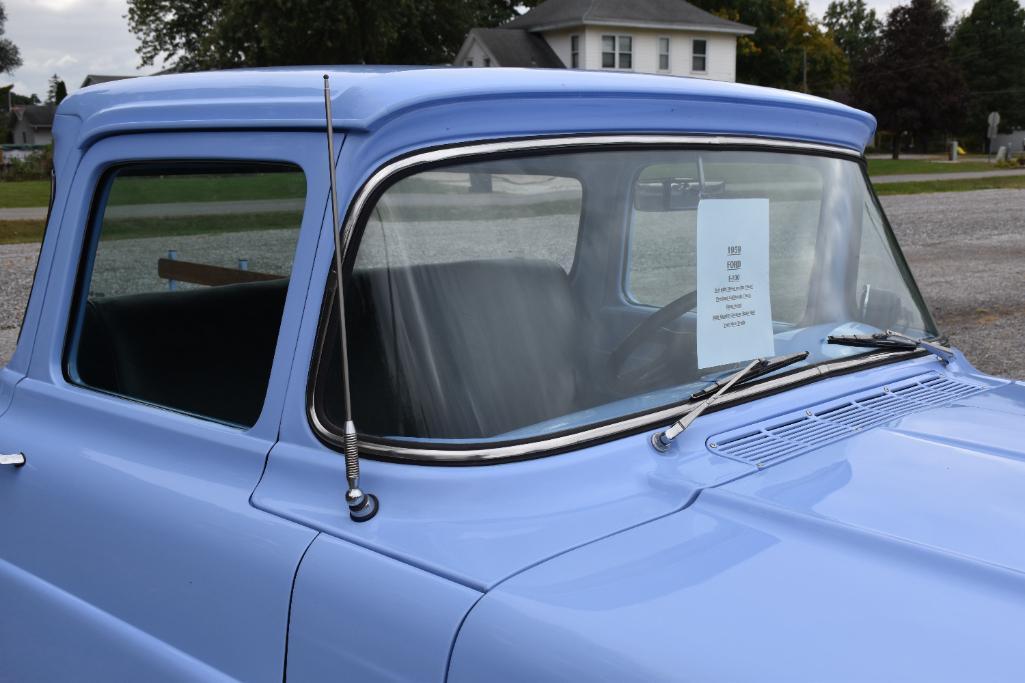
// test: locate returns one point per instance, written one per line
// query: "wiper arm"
(766, 366)
(756, 368)
(893, 340)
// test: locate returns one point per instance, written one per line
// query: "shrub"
(37, 166)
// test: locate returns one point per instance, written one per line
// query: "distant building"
(94, 79)
(32, 124)
(648, 36)
(1013, 141)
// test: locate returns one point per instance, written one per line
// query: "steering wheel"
(639, 377)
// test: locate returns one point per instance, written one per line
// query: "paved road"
(172, 209)
(966, 249)
(960, 175)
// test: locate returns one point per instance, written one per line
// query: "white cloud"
(71, 38)
(74, 38)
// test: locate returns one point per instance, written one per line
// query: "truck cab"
(632, 366)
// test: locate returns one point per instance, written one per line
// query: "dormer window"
(617, 52)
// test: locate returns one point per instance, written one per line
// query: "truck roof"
(365, 98)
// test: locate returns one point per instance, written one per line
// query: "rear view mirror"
(673, 194)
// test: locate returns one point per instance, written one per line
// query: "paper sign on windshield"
(734, 317)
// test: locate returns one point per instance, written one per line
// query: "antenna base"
(362, 506)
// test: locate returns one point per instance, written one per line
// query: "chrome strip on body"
(498, 453)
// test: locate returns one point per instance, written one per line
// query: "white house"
(32, 124)
(649, 36)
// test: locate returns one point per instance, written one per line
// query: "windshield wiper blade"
(756, 368)
(895, 341)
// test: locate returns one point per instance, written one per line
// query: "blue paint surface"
(152, 545)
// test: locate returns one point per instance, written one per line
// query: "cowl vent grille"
(774, 441)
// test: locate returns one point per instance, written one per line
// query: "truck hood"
(893, 553)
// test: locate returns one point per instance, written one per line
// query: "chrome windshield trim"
(639, 422)
(380, 176)
(541, 446)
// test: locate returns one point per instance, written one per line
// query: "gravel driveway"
(966, 249)
(967, 252)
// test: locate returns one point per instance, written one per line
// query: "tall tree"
(915, 87)
(203, 34)
(785, 34)
(57, 90)
(989, 46)
(855, 28)
(10, 57)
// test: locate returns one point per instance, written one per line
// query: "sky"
(73, 38)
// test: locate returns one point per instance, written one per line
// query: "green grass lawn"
(169, 189)
(923, 186)
(879, 167)
(211, 188)
(24, 193)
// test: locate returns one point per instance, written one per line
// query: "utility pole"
(804, 69)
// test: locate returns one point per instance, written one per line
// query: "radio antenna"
(362, 506)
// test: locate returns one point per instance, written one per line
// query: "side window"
(183, 285)
(883, 282)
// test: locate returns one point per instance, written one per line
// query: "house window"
(574, 52)
(469, 62)
(663, 54)
(617, 52)
(608, 52)
(626, 58)
(699, 58)
(487, 61)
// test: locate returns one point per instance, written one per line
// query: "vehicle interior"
(513, 297)
(515, 342)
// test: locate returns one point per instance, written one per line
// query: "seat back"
(204, 351)
(462, 350)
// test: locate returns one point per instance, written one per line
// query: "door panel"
(145, 518)
(129, 549)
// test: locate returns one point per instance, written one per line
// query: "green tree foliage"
(205, 34)
(784, 33)
(10, 57)
(914, 87)
(855, 29)
(989, 46)
(57, 90)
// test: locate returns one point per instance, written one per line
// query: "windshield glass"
(516, 298)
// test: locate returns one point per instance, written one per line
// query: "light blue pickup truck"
(504, 375)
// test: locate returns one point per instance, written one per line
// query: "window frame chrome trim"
(542, 447)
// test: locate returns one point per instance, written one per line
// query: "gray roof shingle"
(514, 47)
(36, 115)
(96, 79)
(656, 12)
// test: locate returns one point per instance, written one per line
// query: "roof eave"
(739, 30)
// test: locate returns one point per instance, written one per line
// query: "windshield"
(517, 298)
